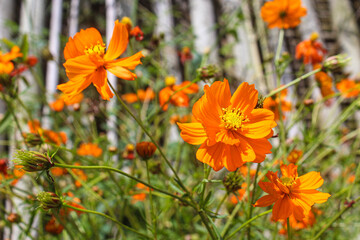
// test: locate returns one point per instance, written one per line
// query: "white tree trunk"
(112, 126)
(165, 25)
(74, 17)
(52, 72)
(203, 23)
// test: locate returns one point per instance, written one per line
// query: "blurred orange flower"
(53, 226)
(283, 13)
(272, 103)
(291, 194)
(6, 66)
(87, 61)
(306, 222)
(140, 196)
(61, 101)
(180, 99)
(311, 50)
(5, 172)
(239, 194)
(129, 152)
(348, 88)
(181, 119)
(325, 82)
(229, 129)
(137, 33)
(294, 156)
(80, 174)
(185, 54)
(89, 149)
(58, 171)
(141, 95)
(48, 135)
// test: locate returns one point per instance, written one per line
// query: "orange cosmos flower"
(89, 149)
(48, 135)
(141, 95)
(294, 156)
(81, 175)
(59, 104)
(140, 196)
(6, 66)
(229, 129)
(87, 61)
(137, 33)
(283, 13)
(129, 152)
(348, 88)
(325, 82)
(185, 54)
(291, 194)
(5, 172)
(181, 119)
(58, 171)
(53, 226)
(272, 103)
(180, 99)
(306, 222)
(311, 50)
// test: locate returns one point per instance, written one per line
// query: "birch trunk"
(74, 17)
(111, 124)
(165, 25)
(52, 72)
(203, 23)
(348, 36)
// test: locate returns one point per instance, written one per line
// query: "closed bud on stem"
(32, 140)
(335, 62)
(14, 218)
(145, 149)
(232, 182)
(208, 72)
(32, 161)
(49, 200)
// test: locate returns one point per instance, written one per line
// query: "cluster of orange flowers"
(60, 102)
(6, 174)
(49, 136)
(141, 95)
(89, 149)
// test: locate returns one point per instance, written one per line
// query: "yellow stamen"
(98, 49)
(233, 118)
(287, 181)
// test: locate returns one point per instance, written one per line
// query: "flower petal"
(245, 98)
(261, 121)
(120, 71)
(211, 155)
(282, 209)
(99, 79)
(128, 62)
(265, 201)
(192, 133)
(311, 180)
(118, 42)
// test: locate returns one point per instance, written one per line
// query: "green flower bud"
(32, 161)
(49, 200)
(233, 181)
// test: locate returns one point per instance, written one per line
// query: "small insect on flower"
(291, 194)
(229, 128)
(283, 13)
(87, 61)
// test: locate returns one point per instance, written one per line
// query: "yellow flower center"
(287, 181)
(98, 49)
(233, 118)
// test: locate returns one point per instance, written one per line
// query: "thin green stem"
(150, 136)
(251, 198)
(108, 217)
(221, 203)
(248, 222)
(288, 228)
(336, 217)
(279, 46)
(122, 173)
(151, 201)
(297, 80)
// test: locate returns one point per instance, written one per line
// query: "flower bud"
(336, 62)
(32, 140)
(233, 181)
(170, 80)
(33, 161)
(127, 22)
(14, 218)
(208, 72)
(145, 149)
(49, 200)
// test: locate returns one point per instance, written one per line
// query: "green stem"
(297, 80)
(288, 228)
(248, 222)
(208, 225)
(252, 197)
(279, 46)
(151, 138)
(108, 217)
(221, 203)
(122, 173)
(151, 200)
(336, 217)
